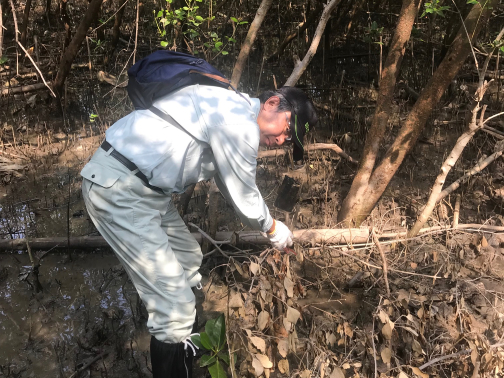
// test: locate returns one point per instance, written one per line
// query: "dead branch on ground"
(311, 147)
(346, 236)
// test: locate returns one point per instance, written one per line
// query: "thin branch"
(209, 239)
(36, 67)
(384, 261)
(442, 358)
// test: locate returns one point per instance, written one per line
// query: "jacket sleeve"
(235, 155)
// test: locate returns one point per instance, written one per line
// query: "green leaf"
(164, 43)
(223, 52)
(501, 49)
(199, 18)
(216, 330)
(207, 360)
(196, 339)
(216, 370)
(234, 19)
(224, 357)
(243, 23)
(205, 341)
(473, 2)
(213, 35)
(3, 59)
(160, 14)
(218, 44)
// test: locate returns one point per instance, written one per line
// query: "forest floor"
(324, 311)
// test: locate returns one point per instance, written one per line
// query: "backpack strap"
(168, 118)
(220, 79)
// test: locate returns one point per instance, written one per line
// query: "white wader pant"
(150, 239)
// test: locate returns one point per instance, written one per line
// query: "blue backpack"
(164, 71)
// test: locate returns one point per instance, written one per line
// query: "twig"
(36, 67)
(209, 239)
(16, 31)
(482, 164)
(101, 355)
(384, 261)
(442, 358)
(374, 347)
(456, 212)
(136, 32)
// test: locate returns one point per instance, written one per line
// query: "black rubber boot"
(170, 360)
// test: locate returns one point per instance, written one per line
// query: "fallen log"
(311, 147)
(21, 89)
(346, 236)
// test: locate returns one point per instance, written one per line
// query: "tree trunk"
(74, 46)
(388, 80)
(66, 23)
(249, 41)
(299, 30)
(24, 25)
(300, 67)
(361, 200)
(117, 25)
(1, 30)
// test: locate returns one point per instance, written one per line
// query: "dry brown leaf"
(386, 355)
(258, 343)
(383, 317)
(403, 294)
(484, 242)
(267, 373)
(289, 287)
(387, 331)
(283, 366)
(346, 366)
(330, 338)
(435, 257)
(258, 367)
(413, 265)
(293, 315)
(348, 329)
(306, 374)
(262, 320)
(474, 356)
(287, 325)
(417, 347)
(420, 312)
(235, 300)
(255, 268)
(337, 373)
(402, 374)
(293, 337)
(419, 373)
(265, 361)
(283, 347)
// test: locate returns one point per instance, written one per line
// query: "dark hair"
(302, 112)
(284, 104)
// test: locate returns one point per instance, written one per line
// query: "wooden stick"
(456, 212)
(136, 30)
(314, 236)
(384, 261)
(311, 147)
(442, 358)
(477, 168)
(22, 89)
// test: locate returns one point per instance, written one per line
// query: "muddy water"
(87, 306)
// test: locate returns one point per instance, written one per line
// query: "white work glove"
(281, 237)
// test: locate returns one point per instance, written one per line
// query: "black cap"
(303, 116)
